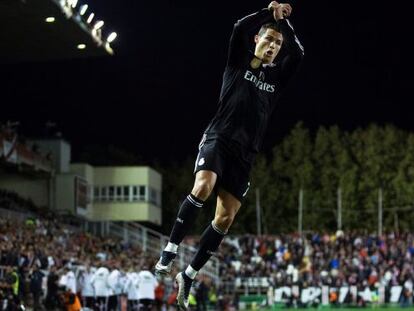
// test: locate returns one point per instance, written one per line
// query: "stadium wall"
(64, 189)
(61, 151)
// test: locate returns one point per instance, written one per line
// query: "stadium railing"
(154, 242)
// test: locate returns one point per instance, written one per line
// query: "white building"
(98, 194)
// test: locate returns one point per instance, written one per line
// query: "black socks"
(210, 239)
(209, 243)
(186, 216)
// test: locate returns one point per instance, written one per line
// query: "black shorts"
(146, 302)
(225, 159)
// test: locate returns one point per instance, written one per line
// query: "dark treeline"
(359, 163)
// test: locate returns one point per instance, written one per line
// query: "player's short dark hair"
(267, 26)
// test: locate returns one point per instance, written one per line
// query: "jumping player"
(252, 84)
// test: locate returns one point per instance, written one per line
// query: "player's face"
(268, 45)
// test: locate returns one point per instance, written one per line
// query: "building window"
(104, 194)
(119, 196)
(134, 193)
(142, 193)
(131, 193)
(126, 193)
(111, 193)
(96, 196)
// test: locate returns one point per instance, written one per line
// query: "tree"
(403, 185)
(359, 163)
(292, 170)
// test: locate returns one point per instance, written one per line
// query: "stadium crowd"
(51, 266)
(44, 264)
(341, 259)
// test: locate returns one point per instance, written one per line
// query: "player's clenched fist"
(280, 10)
(272, 5)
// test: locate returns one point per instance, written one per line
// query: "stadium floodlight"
(83, 9)
(111, 37)
(98, 25)
(90, 18)
(50, 19)
(81, 46)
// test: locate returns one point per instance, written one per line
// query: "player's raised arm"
(291, 44)
(243, 34)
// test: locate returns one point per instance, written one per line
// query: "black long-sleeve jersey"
(248, 96)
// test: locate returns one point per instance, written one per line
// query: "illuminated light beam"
(90, 18)
(111, 37)
(98, 25)
(78, 10)
(83, 9)
(50, 19)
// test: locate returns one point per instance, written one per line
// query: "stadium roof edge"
(30, 38)
(48, 139)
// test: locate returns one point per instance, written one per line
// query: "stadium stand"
(346, 263)
(44, 244)
(39, 246)
(14, 152)
(355, 268)
(46, 258)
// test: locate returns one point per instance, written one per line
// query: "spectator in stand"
(36, 279)
(146, 289)
(201, 295)
(131, 289)
(72, 301)
(10, 288)
(52, 298)
(159, 295)
(407, 294)
(87, 289)
(68, 280)
(99, 282)
(115, 285)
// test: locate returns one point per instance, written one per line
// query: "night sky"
(156, 96)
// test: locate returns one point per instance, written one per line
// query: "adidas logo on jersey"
(201, 162)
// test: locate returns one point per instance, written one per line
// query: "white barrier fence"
(342, 295)
(324, 295)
